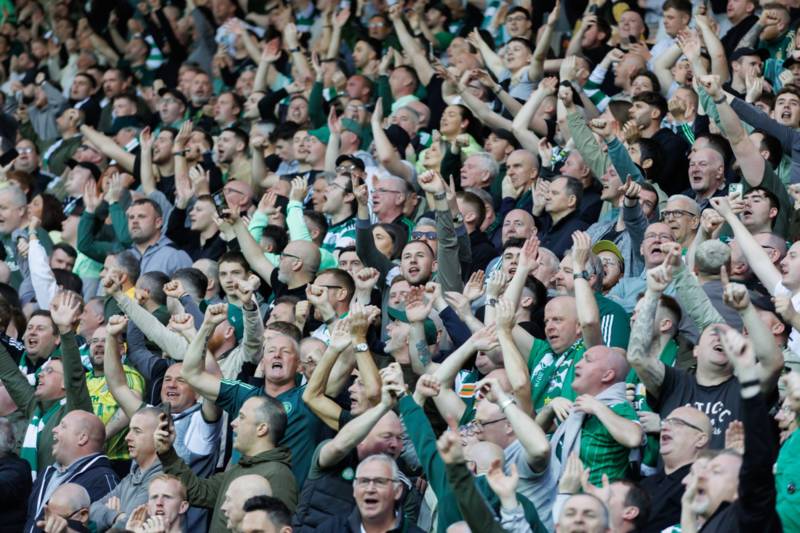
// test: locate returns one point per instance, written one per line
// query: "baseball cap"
(607, 246)
(747, 51)
(323, 134)
(91, 167)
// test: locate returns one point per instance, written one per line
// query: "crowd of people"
(399, 266)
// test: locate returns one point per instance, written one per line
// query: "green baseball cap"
(323, 134)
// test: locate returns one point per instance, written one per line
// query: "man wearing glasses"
(682, 215)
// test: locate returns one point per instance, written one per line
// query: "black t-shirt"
(665, 491)
(279, 288)
(721, 403)
(165, 184)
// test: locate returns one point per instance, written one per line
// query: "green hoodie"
(210, 493)
(421, 434)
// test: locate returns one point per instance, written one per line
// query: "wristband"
(181, 152)
(506, 403)
(440, 196)
(749, 383)
(722, 99)
(293, 50)
(492, 302)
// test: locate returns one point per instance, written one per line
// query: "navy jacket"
(93, 472)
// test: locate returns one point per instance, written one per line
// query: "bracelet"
(181, 153)
(749, 383)
(722, 99)
(492, 302)
(293, 50)
(440, 196)
(506, 403)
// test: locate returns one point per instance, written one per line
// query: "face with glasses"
(786, 419)
(490, 424)
(338, 194)
(612, 269)
(28, 159)
(518, 25)
(375, 490)
(681, 219)
(50, 381)
(683, 432)
(426, 234)
(654, 236)
(387, 197)
(355, 108)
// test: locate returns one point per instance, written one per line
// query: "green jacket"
(210, 493)
(419, 431)
(22, 393)
(95, 240)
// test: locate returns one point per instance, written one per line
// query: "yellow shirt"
(104, 406)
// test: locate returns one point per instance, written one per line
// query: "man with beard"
(155, 252)
(104, 404)
(230, 153)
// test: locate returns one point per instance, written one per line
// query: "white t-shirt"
(794, 337)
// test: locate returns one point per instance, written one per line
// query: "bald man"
(602, 426)
(239, 491)
(685, 433)
(67, 510)
(78, 443)
(522, 171)
(584, 512)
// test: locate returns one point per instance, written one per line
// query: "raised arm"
(588, 312)
(662, 65)
(193, 370)
(388, 155)
(110, 148)
(354, 432)
(314, 393)
(719, 63)
(128, 400)
(536, 68)
(756, 257)
(747, 155)
(649, 368)
(410, 46)
(64, 310)
(251, 250)
(521, 126)
(490, 57)
(515, 365)
(146, 158)
(767, 352)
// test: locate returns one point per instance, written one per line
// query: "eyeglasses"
(345, 167)
(676, 213)
(25, 150)
(478, 425)
(608, 261)
(377, 481)
(419, 235)
(660, 236)
(520, 18)
(675, 421)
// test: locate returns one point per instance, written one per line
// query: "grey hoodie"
(131, 491)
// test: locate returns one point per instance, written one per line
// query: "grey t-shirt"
(539, 488)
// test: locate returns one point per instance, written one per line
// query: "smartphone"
(220, 203)
(735, 188)
(166, 407)
(632, 39)
(593, 9)
(8, 157)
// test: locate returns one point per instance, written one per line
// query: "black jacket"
(352, 524)
(754, 510)
(15, 487)
(558, 237)
(482, 253)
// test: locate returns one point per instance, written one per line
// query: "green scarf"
(37, 423)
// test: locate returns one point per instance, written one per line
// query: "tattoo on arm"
(650, 370)
(424, 353)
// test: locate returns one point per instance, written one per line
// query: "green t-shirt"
(340, 235)
(600, 452)
(551, 373)
(304, 430)
(787, 478)
(615, 325)
(668, 356)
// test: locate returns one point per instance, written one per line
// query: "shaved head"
(484, 453)
(93, 427)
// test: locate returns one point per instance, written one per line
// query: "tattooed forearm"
(424, 353)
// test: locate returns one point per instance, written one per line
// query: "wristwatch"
(362, 347)
(583, 274)
(458, 219)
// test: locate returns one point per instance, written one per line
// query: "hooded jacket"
(131, 491)
(274, 465)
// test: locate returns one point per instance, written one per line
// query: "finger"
(724, 277)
